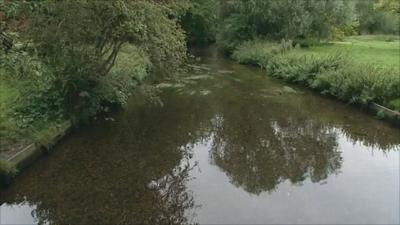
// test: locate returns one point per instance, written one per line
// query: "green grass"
(11, 134)
(375, 50)
(359, 70)
(131, 67)
(9, 131)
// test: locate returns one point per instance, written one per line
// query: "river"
(224, 145)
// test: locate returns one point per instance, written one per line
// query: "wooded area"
(70, 60)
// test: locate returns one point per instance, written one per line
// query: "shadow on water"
(142, 167)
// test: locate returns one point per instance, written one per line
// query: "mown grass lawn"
(377, 50)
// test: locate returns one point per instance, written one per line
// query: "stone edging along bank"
(32, 152)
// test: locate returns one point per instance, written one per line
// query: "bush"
(26, 74)
(395, 104)
(35, 100)
(338, 76)
(40, 101)
(257, 52)
(79, 42)
(114, 89)
(362, 84)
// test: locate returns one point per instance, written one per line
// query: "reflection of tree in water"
(261, 149)
(381, 137)
(175, 203)
(261, 139)
(101, 176)
(167, 202)
(355, 126)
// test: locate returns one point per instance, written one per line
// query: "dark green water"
(226, 146)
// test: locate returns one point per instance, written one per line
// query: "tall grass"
(334, 74)
(258, 52)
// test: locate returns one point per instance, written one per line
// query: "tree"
(80, 40)
(378, 16)
(289, 19)
(200, 21)
(392, 6)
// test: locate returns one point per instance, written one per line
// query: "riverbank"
(20, 158)
(25, 136)
(15, 135)
(353, 72)
(329, 73)
(225, 138)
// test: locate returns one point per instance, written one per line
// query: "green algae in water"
(170, 85)
(198, 77)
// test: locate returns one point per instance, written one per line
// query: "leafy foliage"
(200, 21)
(79, 42)
(395, 104)
(375, 16)
(73, 59)
(36, 100)
(257, 52)
(289, 19)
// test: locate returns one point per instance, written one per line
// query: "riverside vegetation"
(355, 69)
(71, 60)
(330, 71)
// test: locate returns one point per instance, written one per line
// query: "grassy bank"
(380, 51)
(16, 134)
(25, 114)
(359, 70)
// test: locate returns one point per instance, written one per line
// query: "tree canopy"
(78, 42)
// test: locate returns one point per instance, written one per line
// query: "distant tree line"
(231, 21)
(76, 43)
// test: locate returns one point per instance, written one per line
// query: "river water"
(224, 145)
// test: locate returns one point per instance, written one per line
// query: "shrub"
(114, 89)
(39, 100)
(257, 52)
(338, 76)
(395, 104)
(36, 99)
(80, 41)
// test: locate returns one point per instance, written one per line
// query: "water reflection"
(258, 150)
(136, 170)
(132, 202)
(174, 203)
(102, 175)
